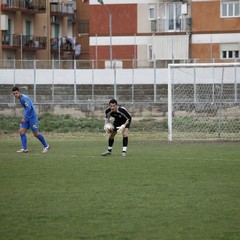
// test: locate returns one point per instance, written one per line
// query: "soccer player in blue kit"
(122, 121)
(29, 120)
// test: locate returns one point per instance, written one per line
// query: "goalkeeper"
(122, 121)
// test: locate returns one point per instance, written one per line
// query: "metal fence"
(101, 64)
(66, 82)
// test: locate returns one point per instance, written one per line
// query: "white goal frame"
(204, 101)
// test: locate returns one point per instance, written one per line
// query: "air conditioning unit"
(184, 9)
(189, 21)
(4, 22)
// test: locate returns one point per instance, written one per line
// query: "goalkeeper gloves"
(120, 128)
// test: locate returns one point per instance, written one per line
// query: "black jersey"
(120, 116)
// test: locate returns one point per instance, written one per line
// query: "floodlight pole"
(110, 29)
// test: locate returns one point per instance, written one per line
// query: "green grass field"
(161, 190)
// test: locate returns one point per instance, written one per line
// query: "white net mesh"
(204, 101)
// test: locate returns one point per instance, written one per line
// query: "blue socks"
(24, 141)
(42, 140)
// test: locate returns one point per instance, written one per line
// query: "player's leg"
(35, 127)
(124, 142)
(23, 137)
(110, 144)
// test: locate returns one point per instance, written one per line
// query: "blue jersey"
(29, 110)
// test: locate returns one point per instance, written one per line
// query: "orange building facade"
(215, 30)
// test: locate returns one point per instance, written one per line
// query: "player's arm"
(27, 108)
(106, 119)
(127, 116)
(126, 123)
(107, 116)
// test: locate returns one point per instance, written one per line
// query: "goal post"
(204, 101)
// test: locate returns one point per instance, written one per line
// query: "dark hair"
(15, 89)
(112, 101)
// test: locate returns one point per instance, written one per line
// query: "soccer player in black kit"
(122, 121)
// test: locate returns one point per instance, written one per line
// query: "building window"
(230, 54)
(230, 50)
(230, 9)
(174, 16)
(83, 26)
(151, 12)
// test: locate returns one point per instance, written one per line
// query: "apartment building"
(122, 32)
(38, 29)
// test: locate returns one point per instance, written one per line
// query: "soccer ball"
(109, 127)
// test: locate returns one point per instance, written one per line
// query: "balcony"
(65, 47)
(62, 9)
(171, 25)
(28, 6)
(24, 42)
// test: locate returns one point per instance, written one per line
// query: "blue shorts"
(31, 123)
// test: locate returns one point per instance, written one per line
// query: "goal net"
(204, 101)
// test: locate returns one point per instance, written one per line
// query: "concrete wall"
(138, 110)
